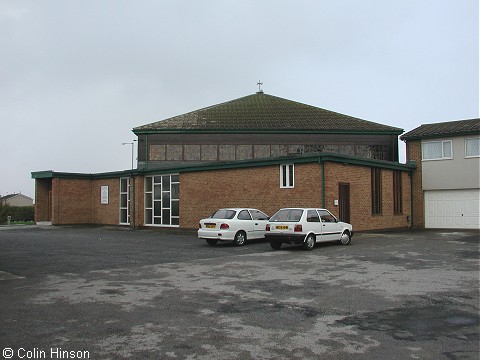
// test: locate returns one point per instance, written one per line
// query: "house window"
(286, 176)
(397, 193)
(376, 191)
(437, 150)
(125, 201)
(162, 200)
(472, 147)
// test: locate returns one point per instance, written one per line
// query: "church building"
(258, 151)
(261, 126)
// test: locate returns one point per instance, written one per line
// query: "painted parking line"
(8, 276)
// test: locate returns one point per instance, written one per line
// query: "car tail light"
(224, 227)
(298, 228)
(267, 227)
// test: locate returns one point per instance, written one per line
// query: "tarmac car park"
(163, 294)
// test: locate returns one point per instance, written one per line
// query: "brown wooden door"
(344, 202)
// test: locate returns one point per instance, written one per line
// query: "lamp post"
(132, 182)
(130, 143)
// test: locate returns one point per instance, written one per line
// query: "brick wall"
(108, 214)
(201, 193)
(359, 178)
(414, 152)
(71, 201)
(139, 186)
(77, 201)
(42, 190)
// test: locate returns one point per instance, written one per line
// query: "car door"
(313, 224)
(331, 230)
(260, 221)
(245, 223)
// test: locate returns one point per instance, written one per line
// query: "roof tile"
(450, 128)
(263, 112)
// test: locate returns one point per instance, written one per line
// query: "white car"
(233, 224)
(306, 226)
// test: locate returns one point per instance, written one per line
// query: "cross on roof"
(259, 88)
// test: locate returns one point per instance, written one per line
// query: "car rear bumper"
(222, 235)
(285, 238)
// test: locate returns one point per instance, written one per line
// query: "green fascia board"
(296, 159)
(46, 174)
(49, 174)
(267, 131)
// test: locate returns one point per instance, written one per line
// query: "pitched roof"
(6, 197)
(450, 128)
(261, 112)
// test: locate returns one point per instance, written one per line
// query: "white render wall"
(457, 173)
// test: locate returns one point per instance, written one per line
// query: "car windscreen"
(287, 215)
(223, 214)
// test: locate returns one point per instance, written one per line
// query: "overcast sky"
(77, 76)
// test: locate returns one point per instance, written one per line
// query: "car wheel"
(240, 238)
(345, 238)
(276, 245)
(309, 242)
(211, 242)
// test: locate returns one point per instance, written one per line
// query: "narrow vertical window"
(148, 200)
(287, 176)
(376, 191)
(125, 201)
(397, 193)
(290, 175)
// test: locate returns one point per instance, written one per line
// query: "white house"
(16, 200)
(448, 166)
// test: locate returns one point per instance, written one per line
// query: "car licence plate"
(281, 227)
(210, 226)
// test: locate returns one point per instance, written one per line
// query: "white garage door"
(452, 209)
